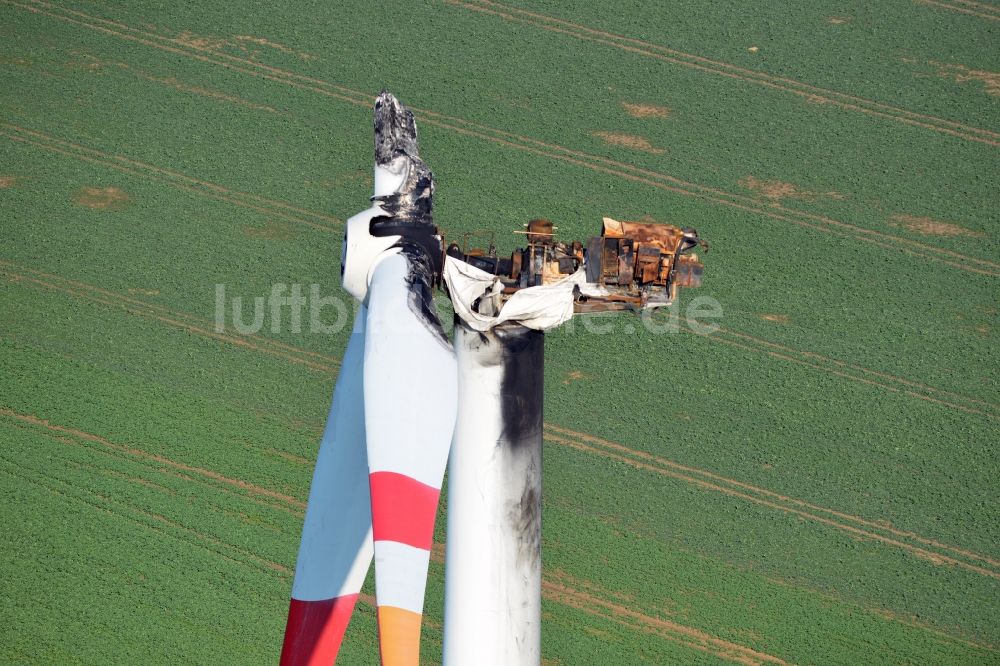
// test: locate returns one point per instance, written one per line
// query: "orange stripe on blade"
(399, 636)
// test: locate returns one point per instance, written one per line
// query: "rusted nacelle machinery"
(630, 266)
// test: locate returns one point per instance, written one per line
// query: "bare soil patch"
(188, 38)
(177, 84)
(931, 227)
(606, 636)
(94, 64)
(838, 20)
(100, 198)
(628, 141)
(645, 110)
(776, 318)
(963, 74)
(776, 190)
(957, 73)
(271, 229)
(261, 41)
(242, 42)
(7, 181)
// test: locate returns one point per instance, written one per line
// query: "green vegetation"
(813, 483)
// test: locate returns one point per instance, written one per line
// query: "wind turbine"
(402, 401)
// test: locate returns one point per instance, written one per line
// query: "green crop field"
(813, 483)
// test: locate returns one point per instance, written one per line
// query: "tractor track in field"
(858, 527)
(557, 585)
(627, 616)
(156, 522)
(554, 588)
(151, 458)
(967, 7)
(855, 525)
(908, 383)
(641, 462)
(272, 207)
(134, 306)
(725, 336)
(663, 181)
(811, 93)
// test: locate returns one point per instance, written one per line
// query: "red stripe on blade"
(403, 509)
(315, 630)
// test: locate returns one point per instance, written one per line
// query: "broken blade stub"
(395, 129)
(404, 189)
(403, 182)
(400, 218)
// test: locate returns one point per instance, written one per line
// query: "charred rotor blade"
(403, 182)
(395, 130)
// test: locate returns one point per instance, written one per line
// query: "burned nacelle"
(630, 266)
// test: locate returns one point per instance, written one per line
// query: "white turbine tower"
(402, 401)
(493, 567)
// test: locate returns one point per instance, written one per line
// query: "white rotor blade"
(410, 386)
(336, 549)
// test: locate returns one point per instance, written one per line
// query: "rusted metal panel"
(595, 247)
(647, 269)
(626, 262)
(689, 271)
(661, 235)
(613, 228)
(663, 275)
(609, 260)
